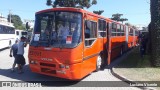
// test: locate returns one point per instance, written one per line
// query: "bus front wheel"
(98, 63)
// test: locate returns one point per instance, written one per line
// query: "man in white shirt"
(20, 60)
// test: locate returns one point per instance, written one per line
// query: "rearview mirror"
(27, 26)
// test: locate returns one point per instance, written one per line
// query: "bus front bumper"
(72, 72)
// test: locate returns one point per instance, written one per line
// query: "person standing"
(63, 32)
(14, 50)
(143, 44)
(20, 60)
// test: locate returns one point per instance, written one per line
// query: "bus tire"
(98, 63)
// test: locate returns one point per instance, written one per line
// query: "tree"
(16, 20)
(98, 12)
(128, 24)
(71, 3)
(117, 17)
(123, 19)
(155, 31)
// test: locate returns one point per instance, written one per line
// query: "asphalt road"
(89, 82)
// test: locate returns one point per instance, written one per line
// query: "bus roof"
(4, 22)
(8, 25)
(61, 8)
(70, 9)
(78, 10)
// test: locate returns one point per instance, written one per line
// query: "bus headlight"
(61, 66)
(33, 62)
(67, 66)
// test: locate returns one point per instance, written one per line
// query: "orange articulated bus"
(71, 43)
(133, 37)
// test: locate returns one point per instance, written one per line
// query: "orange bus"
(71, 43)
(133, 37)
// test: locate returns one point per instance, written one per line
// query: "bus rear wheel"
(98, 63)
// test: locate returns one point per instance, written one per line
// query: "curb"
(128, 81)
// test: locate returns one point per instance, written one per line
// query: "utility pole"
(10, 16)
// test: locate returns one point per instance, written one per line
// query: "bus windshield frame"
(59, 29)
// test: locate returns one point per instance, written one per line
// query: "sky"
(136, 11)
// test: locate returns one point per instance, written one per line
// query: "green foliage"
(71, 3)
(128, 24)
(123, 19)
(22, 27)
(117, 17)
(49, 2)
(98, 12)
(134, 60)
(155, 31)
(16, 20)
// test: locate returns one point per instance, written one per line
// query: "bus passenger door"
(102, 39)
(90, 52)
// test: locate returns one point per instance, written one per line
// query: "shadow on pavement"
(4, 49)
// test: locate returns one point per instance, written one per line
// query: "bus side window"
(113, 30)
(131, 32)
(122, 30)
(87, 29)
(101, 28)
(90, 32)
(118, 30)
(87, 32)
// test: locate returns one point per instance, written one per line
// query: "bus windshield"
(57, 29)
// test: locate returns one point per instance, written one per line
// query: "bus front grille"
(47, 70)
(47, 65)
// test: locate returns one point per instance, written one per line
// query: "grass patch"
(135, 68)
(133, 60)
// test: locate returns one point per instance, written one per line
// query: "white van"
(20, 33)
